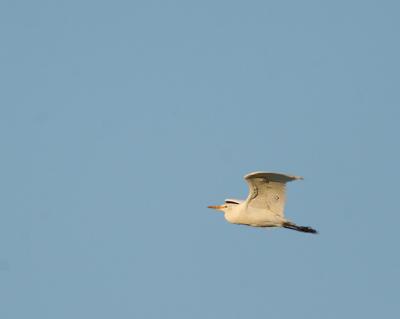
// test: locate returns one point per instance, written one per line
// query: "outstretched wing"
(267, 190)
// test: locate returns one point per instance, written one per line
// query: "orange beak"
(217, 207)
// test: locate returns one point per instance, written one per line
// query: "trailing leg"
(304, 229)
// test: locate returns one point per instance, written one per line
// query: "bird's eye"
(276, 197)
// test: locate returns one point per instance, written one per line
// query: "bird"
(265, 204)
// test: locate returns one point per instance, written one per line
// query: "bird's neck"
(233, 216)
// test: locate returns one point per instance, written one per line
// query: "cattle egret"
(264, 205)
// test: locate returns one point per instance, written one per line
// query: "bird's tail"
(304, 229)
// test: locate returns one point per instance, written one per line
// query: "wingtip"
(287, 177)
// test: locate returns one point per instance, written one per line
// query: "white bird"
(264, 205)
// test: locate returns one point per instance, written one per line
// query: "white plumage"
(265, 204)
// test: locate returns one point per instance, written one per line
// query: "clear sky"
(120, 121)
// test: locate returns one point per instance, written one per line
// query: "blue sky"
(121, 121)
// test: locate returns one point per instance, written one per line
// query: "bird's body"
(264, 206)
(241, 214)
